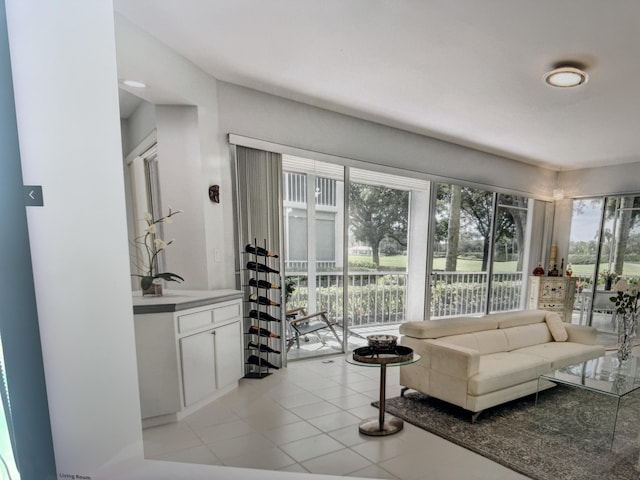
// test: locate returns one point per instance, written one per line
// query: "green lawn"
(464, 265)
(395, 261)
(632, 269)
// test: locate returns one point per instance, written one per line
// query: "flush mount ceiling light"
(566, 76)
(134, 83)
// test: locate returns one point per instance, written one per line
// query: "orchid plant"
(627, 298)
(151, 245)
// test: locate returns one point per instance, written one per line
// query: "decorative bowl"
(382, 341)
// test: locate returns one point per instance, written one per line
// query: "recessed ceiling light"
(134, 83)
(566, 76)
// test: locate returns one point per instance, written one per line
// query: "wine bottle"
(259, 267)
(263, 316)
(263, 332)
(263, 252)
(262, 348)
(255, 360)
(262, 300)
(262, 284)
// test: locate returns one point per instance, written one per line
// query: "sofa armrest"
(581, 334)
(453, 360)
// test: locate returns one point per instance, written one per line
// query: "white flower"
(151, 229)
(148, 217)
(160, 244)
(167, 220)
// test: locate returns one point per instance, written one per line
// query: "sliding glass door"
(355, 269)
(378, 246)
(604, 247)
(313, 229)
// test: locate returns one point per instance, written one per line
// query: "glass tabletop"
(349, 358)
(603, 374)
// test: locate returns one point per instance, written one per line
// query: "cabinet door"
(560, 291)
(229, 356)
(198, 366)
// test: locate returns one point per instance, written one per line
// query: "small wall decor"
(214, 193)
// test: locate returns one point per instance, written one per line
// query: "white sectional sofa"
(479, 362)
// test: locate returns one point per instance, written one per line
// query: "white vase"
(627, 326)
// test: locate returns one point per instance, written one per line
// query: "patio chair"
(301, 324)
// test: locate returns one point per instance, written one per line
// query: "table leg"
(381, 426)
(383, 394)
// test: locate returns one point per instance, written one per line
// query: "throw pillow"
(556, 327)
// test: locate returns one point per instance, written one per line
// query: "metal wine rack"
(263, 319)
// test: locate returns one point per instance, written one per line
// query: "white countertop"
(176, 300)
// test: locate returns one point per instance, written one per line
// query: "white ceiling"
(466, 71)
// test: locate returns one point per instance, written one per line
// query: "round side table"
(381, 426)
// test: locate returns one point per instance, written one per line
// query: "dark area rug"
(567, 436)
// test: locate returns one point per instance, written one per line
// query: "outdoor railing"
(301, 265)
(380, 297)
(464, 293)
(373, 297)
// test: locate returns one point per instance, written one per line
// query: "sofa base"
(478, 404)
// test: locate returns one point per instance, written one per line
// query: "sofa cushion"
(445, 327)
(527, 335)
(556, 327)
(581, 334)
(561, 354)
(505, 369)
(516, 319)
(489, 341)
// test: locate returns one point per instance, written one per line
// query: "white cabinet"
(229, 364)
(188, 355)
(555, 294)
(198, 366)
(211, 360)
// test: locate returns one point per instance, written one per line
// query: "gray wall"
(265, 117)
(593, 182)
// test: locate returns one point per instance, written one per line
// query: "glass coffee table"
(603, 375)
(382, 426)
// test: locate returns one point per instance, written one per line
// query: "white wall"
(212, 245)
(180, 174)
(64, 67)
(79, 241)
(138, 126)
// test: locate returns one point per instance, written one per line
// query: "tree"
(377, 213)
(626, 219)
(513, 226)
(471, 214)
(453, 232)
(477, 206)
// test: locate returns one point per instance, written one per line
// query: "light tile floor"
(305, 419)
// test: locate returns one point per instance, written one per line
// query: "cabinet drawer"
(228, 312)
(193, 321)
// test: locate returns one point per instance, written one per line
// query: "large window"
(373, 250)
(604, 246)
(478, 254)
